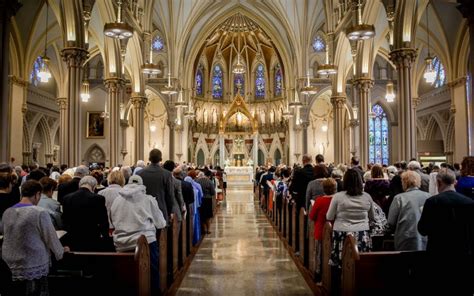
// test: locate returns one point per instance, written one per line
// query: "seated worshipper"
(116, 181)
(73, 185)
(447, 220)
(134, 213)
(465, 184)
(209, 192)
(405, 212)
(378, 188)
(85, 219)
(47, 202)
(198, 196)
(318, 215)
(29, 237)
(351, 211)
(7, 199)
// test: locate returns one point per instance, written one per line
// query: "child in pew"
(29, 236)
(318, 215)
(132, 214)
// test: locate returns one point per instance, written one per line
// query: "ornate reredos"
(238, 105)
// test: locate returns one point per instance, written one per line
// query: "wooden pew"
(311, 248)
(103, 273)
(326, 255)
(163, 262)
(175, 249)
(183, 242)
(293, 227)
(303, 236)
(380, 273)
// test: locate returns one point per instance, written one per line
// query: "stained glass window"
(239, 82)
(318, 44)
(199, 82)
(278, 82)
(34, 75)
(260, 82)
(378, 136)
(440, 73)
(158, 43)
(217, 83)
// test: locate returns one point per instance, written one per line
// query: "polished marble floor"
(242, 256)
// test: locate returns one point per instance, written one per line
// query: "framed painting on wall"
(95, 125)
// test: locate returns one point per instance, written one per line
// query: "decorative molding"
(74, 56)
(18, 81)
(403, 57)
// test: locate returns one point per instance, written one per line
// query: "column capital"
(74, 56)
(17, 80)
(364, 83)
(114, 83)
(354, 122)
(461, 81)
(62, 103)
(338, 101)
(403, 57)
(138, 100)
(415, 102)
(124, 123)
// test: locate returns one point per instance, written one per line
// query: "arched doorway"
(261, 157)
(277, 157)
(200, 157)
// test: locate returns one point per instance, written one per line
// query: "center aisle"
(243, 255)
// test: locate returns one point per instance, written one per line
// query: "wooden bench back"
(326, 255)
(107, 273)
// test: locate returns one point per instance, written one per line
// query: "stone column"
(8, 8)
(338, 110)
(466, 7)
(363, 86)
(18, 94)
(255, 150)
(123, 126)
(304, 129)
(139, 103)
(354, 124)
(221, 150)
(63, 130)
(114, 85)
(459, 108)
(74, 57)
(403, 59)
(172, 126)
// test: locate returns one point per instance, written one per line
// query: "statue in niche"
(214, 117)
(204, 114)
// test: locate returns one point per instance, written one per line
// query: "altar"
(239, 176)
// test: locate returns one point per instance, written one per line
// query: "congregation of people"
(417, 208)
(96, 209)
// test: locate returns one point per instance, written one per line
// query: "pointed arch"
(95, 153)
(379, 149)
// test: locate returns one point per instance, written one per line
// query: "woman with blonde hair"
(405, 212)
(116, 181)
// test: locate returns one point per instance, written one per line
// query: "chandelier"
(296, 103)
(308, 89)
(327, 68)
(287, 113)
(44, 73)
(118, 29)
(324, 127)
(390, 94)
(150, 68)
(180, 103)
(430, 73)
(152, 125)
(190, 112)
(360, 31)
(169, 89)
(85, 94)
(238, 68)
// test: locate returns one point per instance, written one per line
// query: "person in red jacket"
(318, 215)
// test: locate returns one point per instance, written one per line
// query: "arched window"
(278, 81)
(239, 82)
(378, 136)
(158, 44)
(440, 73)
(260, 82)
(199, 82)
(217, 83)
(318, 44)
(34, 75)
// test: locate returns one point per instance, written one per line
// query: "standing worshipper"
(198, 196)
(48, 203)
(159, 184)
(29, 237)
(209, 192)
(116, 181)
(180, 210)
(447, 220)
(73, 185)
(379, 188)
(465, 184)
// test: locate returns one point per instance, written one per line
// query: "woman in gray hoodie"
(134, 213)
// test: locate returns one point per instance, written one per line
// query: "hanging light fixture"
(308, 89)
(85, 94)
(430, 73)
(150, 68)
(360, 31)
(296, 103)
(239, 67)
(324, 127)
(169, 89)
(152, 125)
(118, 29)
(390, 93)
(287, 113)
(180, 103)
(328, 68)
(44, 73)
(190, 112)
